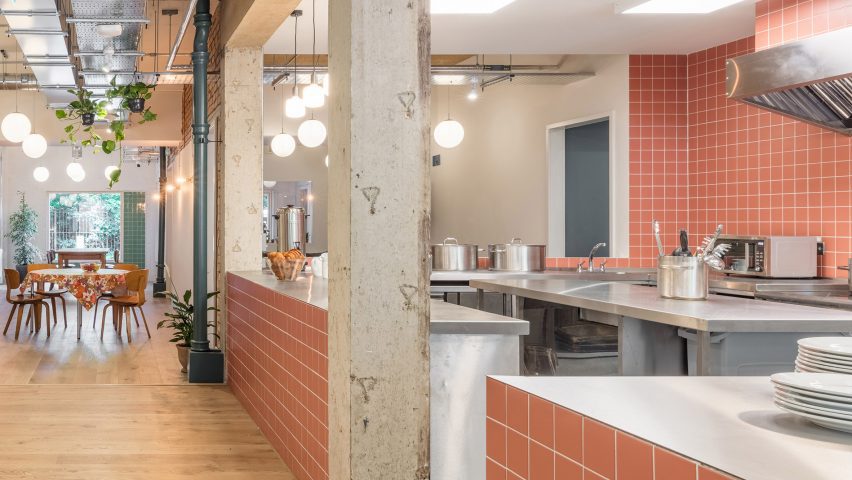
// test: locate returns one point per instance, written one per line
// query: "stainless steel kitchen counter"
(638, 274)
(728, 423)
(717, 314)
(446, 318)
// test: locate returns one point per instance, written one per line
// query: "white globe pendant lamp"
(314, 96)
(41, 174)
(269, 183)
(449, 133)
(75, 171)
(311, 133)
(15, 127)
(295, 106)
(283, 145)
(34, 145)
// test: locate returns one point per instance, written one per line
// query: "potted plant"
(23, 226)
(84, 110)
(180, 320)
(133, 97)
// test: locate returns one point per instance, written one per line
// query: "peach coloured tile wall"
(762, 173)
(277, 362)
(533, 439)
(658, 153)
(781, 21)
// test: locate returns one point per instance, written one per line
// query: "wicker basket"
(287, 269)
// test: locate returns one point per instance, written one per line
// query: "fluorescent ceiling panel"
(679, 6)
(439, 7)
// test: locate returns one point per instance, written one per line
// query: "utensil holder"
(682, 278)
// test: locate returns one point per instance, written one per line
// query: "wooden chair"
(51, 256)
(21, 300)
(137, 280)
(50, 292)
(107, 295)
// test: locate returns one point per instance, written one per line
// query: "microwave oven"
(770, 256)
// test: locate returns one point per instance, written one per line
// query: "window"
(587, 188)
(85, 220)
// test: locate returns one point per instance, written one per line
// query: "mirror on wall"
(277, 196)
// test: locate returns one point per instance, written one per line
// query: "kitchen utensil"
(516, 256)
(450, 255)
(657, 237)
(720, 250)
(714, 262)
(683, 249)
(710, 242)
(682, 278)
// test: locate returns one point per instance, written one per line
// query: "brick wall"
(214, 85)
(530, 438)
(277, 360)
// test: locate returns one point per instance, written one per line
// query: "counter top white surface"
(716, 314)
(729, 423)
(446, 318)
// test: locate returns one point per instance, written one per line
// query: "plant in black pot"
(82, 112)
(23, 226)
(180, 321)
(133, 97)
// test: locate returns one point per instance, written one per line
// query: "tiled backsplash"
(531, 438)
(133, 241)
(782, 21)
(278, 369)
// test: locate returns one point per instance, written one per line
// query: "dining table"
(86, 286)
(77, 254)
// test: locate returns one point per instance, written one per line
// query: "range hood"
(810, 80)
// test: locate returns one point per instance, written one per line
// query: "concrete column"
(240, 186)
(378, 235)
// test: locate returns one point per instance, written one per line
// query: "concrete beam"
(250, 23)
(379, 233)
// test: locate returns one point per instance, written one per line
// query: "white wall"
(18, 176)
(494, 186)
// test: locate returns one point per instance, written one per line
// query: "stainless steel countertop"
(623, 274)
(446, 318)
(717, 314)
(729, 423)
(817, 299)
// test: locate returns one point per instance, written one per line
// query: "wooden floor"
(61, 359)
(63, 432)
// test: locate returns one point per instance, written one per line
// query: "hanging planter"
(133, 97)
(82, 113)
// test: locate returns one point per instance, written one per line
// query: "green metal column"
(200, 128)
(160, 282)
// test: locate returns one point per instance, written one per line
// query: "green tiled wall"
(133, 215)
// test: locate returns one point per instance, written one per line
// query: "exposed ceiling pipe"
(29, 13)
(106, 20)
(179, 38)
(36, 32)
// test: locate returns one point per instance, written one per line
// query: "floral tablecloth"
(85, 286)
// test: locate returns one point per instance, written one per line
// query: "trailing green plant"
(74, 111)
(181, 316)
(23, 226)
(133, 91)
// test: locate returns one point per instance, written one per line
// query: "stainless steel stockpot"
(516, 256)
(682, 278)
(450, 255)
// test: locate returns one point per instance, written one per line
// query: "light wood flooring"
(93, 432)
(61, 359)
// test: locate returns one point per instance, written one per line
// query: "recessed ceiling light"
(678, 6)
(439, 7)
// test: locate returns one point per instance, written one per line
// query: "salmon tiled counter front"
(277, 360)
(653, 428)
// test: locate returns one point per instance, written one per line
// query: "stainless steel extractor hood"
(810, 80)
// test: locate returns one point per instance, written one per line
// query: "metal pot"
(292, 228)
(515, 256)
(453, 256)
(682, 278)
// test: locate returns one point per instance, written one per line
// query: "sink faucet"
(592, 255)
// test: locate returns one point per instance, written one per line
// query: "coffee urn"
(292, 228)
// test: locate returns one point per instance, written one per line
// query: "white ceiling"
(554, 27)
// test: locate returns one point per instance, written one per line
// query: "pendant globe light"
(41, 174)
(283, 144)
(75, 171)
(34, 144)
(449, 133)
(15, 126)
(295, 106)
(313, 94)
(312, 133)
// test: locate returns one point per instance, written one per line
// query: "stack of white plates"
(823, 398)
(825, 354)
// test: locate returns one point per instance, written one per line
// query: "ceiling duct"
(112, 28)
(37, 27)
(810, 80)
